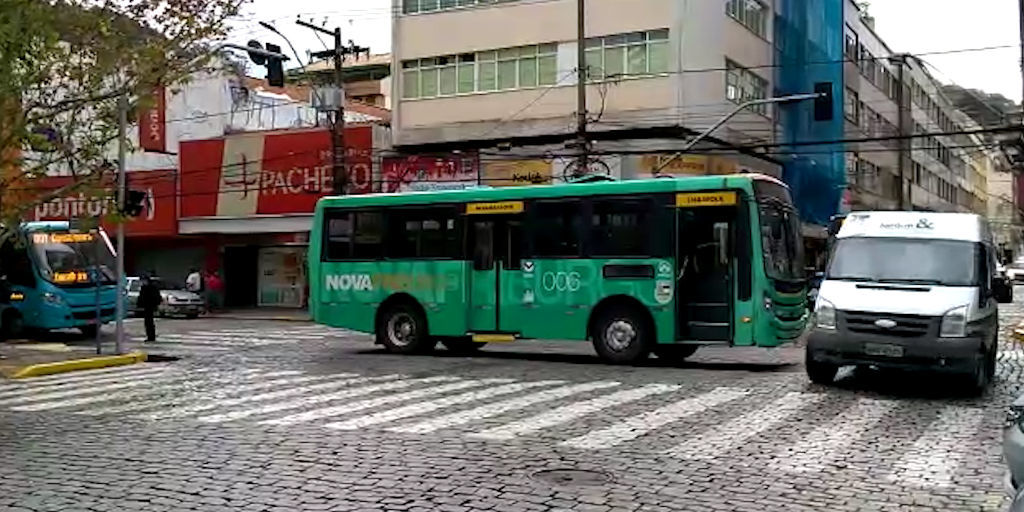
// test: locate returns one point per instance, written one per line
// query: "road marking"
(178, 345)
(570, 412)
(149, 379)
(827, 442)
(339, 395)
(641, 424)
(489, 410)
(85, 376)
(717, 440)
(933, 459)
(107, 378)
(433, 405)
(184, 398)
(337, 410)
(236, 415)
(178, 412)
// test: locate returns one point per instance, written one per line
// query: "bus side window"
(338, 244)
(555, 228)
(15, 264)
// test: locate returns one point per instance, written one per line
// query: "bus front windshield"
(73, 259)
(780, 232)
(906, 260)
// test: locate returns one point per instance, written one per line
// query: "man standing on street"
(214, 291)
(194, 281)
(149, 301)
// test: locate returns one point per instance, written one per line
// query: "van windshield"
(906, 260)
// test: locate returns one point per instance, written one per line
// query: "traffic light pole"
(122, 150)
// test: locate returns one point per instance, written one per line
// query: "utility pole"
(122, 152)
(1020, 17)
(338, 54)
(583, 162)
(905, 143)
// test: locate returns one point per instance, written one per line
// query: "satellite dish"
(257, 59)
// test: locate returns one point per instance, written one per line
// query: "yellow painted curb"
(36, 370)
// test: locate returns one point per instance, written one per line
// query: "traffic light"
(823, 105)
(275, 67)
(134, 202)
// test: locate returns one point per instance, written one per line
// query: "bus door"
(495, 242)
(704, 268)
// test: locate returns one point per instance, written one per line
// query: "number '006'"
(561, 281)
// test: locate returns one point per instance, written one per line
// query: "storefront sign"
(685, 165)
(153, 123)
(419, 173)
(159, 214)
(517, 173)
(690, 200)
(269, 173)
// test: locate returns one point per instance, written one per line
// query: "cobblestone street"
(258, 415)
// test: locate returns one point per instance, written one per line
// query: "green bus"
(658, 265)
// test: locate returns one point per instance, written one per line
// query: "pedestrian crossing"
(669, 420)
(225, 340)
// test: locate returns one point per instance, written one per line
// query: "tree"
(63, 67)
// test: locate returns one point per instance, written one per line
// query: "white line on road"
(178, 345)
(717, 440)
(178, 412)
(433, 405)
(490, 410)
(935, 456)
(236, 415)
(338, 395)
(338, 410)
(87, 376)
(641, 424)
(570, 412)
(827, 442)
(97, 380)
(148, 379)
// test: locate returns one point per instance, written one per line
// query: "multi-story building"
(939, 173)
(502, 80)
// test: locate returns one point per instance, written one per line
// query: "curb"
(36, 370)
(265, 318)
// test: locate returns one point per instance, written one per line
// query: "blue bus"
(57, 278)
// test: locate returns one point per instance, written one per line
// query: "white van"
(909, 290)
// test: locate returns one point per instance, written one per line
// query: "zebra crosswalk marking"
(932, 460)
(338, 395)
(825, 443)
(237, 415)
(87, 390)
(719, 439)
(433, 405)
(494, 409)
(639, 425)
(376, 402)
(107, 378)
(570, 412)
(110, 375)
(188, 410)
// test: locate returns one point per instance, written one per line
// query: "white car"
(176, 300)
(1015, 271)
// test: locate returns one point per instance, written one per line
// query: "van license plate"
(878, 349)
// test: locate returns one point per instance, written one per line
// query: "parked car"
(177, 301)
(1015, 271)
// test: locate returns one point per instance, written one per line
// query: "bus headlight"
(954, 323)
(824, 314)
(54, 299)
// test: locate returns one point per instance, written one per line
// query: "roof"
(355, 111)
(350, 62)
(484, 193)
(927, 225)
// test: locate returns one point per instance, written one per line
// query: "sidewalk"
(20, 359)
(276, 314)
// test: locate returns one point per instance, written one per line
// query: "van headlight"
(824, 314)
(954, 323)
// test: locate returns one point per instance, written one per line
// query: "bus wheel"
(403, 330)
(11, 325)
(622, 335)
(674, 353)
(463, 346)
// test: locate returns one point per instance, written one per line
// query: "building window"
(852, 43)
(415, 6)
(623, 55)
(511, 68)
(752, 14)
(742, 85)
(851, 106)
